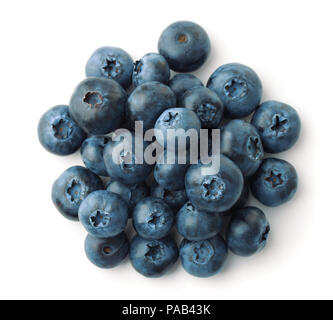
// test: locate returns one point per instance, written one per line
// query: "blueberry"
(122, 163)
(151, 67)
(107, 253)
(58, 133)
(153, 258)
(148, 101)
(182, 82)
(103, 214)
(132, 194)
(196, 225)
(242, 200)
(175, 199)
(98, 105)
(214, 193)
(111, 63)
(72, 187)
(203, 258)
(206, 104)
(278, 124)
(92, 154)
(275, 182)
(171, 176)
(176, 118)
(238, 87)
(241, 142)
(185, 45)
(248, 231)
(152, 218)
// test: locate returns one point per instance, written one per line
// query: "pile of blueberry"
(204, 208)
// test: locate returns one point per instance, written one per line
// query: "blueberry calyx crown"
(156, 219)
(203, 251)
(94, 99)
(274, 179)
(62, 129)
(99, 219)
(206, 112)
(111, 67)
(278, 124)
(235, 88)
(213, 188)
(254, 147)
(74, 191)
(155, 251)
(171, 118)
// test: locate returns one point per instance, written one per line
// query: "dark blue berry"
(275, 182)
(196, 225)
(58, 133)
(217, 192)
(71, 188)
(248, 231)
(98, 105)
(151, 67)
(185, 45)
(147, 102)
(153, 218)
(92, 154)
(103, 214)
(203, 258)
(111, 63)
(241, 142)
(153, 258)
(107, 253)
(238, 87)
(122, 163)
(278, 124)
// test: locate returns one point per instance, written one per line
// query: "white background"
(44, 48)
